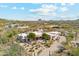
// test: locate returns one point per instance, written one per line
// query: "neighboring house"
(22, 37)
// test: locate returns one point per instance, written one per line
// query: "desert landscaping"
(39, 38)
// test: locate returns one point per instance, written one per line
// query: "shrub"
(45, 36)
(31, 36)
(70, 36)
(4, 40)
(15, 50)
(75, 52)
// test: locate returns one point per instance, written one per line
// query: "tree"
(39, 19)
(31, 36)
(45, 36)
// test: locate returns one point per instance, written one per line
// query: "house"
(38, 34)
(55, 35)
(22, 37)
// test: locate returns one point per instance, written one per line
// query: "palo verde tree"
(45, 36)
(31, 36)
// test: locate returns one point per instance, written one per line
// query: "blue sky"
(34, 11)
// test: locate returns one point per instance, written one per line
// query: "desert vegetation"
(10, 46)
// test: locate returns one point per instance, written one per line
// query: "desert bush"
(74, 52)
(9, 34)
(45, 36)
(15, 50)
(31, 36)
(70, 36)
(4, 40)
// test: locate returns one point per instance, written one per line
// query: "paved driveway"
(50, 51)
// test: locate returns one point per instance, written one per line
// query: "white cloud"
(22, 8)
(67, 4)
(45, 9)
(72, 4)
(14, 7)
(3, 6)
(49, 6)
(63, 9)
(67, 16)
(63, 4)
